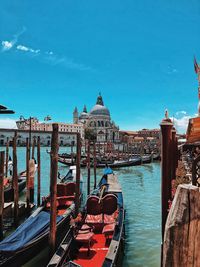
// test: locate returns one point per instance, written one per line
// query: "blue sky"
(56, 55)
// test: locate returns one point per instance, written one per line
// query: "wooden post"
(30, 121)
(7, 157)
(53, 188)
(2, 156)
(27, 175)
(78, 171)
(182, 236)
(15, 181)
(33, 148)
(95, 163)
(88, 168)
(38, 171)
(173, 154)
(166, 126)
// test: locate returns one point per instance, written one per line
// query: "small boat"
(102, 163)
(97, 239)
(156, 157)
(9, 191)
(146, 159)
(32, 236)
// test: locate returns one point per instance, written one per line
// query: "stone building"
(98, 120)
(64, 139)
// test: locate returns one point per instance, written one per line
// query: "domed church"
(99, 121)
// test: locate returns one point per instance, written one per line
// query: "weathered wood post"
(38, 171)
(173, 153)
(53, 188)
(78, 172)
(2, 156)
(88, 168)
(95, 163)
(166, 127)
(27, 175)
(15, 181)
(33, 148)
(7, 157)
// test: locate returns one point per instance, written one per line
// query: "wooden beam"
(78, 171)
(27, 175)
(88, 168)
(15, 181)
(38, 171)
(2, 157)
(53, 188)
(7, 156)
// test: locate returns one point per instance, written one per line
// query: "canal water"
(141, 190)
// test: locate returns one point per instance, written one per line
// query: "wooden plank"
(112, 250)
(182, 231)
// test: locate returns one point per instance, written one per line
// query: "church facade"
(98, 121)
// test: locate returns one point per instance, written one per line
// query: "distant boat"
(102, 164)
(98, 237)
(146, 159)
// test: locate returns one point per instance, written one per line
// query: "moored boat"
(32, 236)
(97, 239)
(146, 159)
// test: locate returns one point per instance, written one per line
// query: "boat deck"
(98, 251)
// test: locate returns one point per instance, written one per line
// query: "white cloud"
(178, 113)
(27, 49)
(6, 45)
(8, 123)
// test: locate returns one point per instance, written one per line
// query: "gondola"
(97, 239)
(112, 163)
(9, 191)
(32, 236)
(146, 159)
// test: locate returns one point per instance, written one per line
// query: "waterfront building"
(98, 121)
(65, 139)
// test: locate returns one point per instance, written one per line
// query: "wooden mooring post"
(88, 168)
(7, 157)
(78, 173)
(38, 171)
(182, 231)
(53, 188)
(27, 175)
(95, 163)
(15, 181)
(33, 148)
(2, 158)
(166, 127)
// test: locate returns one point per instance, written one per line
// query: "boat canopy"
(26, 232)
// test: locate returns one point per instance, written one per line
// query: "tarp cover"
(27, 231)
(107, 171)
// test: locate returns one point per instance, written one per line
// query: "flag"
(196, 67)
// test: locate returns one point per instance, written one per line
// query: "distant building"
(98, 120)
(64, 139)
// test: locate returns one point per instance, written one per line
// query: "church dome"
(99, 108)
(84, 115)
